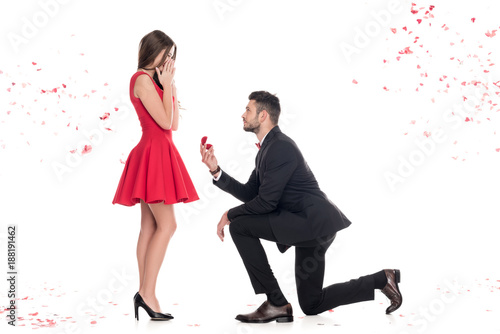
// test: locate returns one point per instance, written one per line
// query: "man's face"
(251, 118)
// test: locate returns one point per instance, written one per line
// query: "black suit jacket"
(283, 186)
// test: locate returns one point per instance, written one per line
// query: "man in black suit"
(284, 204)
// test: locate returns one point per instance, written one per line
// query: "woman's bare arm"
(175, 119)
(160, 111)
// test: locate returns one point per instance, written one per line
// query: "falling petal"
(488, 34)
(106, 116)
(405, 51)
(86, 149)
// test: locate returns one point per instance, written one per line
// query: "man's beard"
(252, 127)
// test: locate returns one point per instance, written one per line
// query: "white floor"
(445, 306)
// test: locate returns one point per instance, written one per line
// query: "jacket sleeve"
(281, 161)
(243, 192)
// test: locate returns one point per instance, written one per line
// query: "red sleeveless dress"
(154, 170)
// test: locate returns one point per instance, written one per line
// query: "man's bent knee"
(309, 307)
(235, 227)
(309, 310)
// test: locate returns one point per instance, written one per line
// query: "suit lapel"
(269, 138)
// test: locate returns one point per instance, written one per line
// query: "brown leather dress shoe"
(268, 312)
(391, 289)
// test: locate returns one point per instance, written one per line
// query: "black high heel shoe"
(138, 301)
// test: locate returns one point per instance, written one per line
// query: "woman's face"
(160, 57)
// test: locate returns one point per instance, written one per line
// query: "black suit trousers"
(246, 232)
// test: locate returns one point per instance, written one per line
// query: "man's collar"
(271, 133)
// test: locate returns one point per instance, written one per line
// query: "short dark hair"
(267, 101)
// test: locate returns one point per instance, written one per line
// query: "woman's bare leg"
(165, 228)
(148, 228)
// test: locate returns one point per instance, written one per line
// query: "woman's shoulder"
(137, 74)
(143, 80)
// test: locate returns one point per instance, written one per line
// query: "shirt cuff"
(218, 177)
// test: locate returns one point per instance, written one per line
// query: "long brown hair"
(150, 47)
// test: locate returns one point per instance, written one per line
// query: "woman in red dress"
(154, 174)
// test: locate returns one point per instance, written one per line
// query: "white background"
(437, 223)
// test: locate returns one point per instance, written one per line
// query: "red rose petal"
(86, 149)
(488, 34)
(203, 140)
(405, 51)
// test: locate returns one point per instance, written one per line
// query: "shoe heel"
(398, 275)
(284, 319)
(136, 306)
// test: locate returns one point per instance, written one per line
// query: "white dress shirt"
(220, 173)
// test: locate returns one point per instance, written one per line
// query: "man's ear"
(264, 112)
